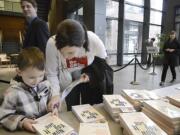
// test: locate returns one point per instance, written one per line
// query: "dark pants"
(164, 72)
(149, 59)
(85, 94)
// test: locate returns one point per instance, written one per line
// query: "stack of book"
(94, 129)
(115, 104)
(87, 114)
(137, 97)
(52, 125)
(167, 116)
(175, 100)
(138, 123)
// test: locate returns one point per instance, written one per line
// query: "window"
(136, 2)
(111, 35)
(156, 4)
(132, 39)
(112, 8)
(134, 13)
(155, 17)
(154, 31)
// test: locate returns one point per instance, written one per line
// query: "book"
(137, 97)
(116, 103)
(175, 100)
(164, 109)
(169, 129)
(140, 94)
(94, 129)
(138, 123)
(52, 125)
(87, 113)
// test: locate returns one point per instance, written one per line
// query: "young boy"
(27, 97)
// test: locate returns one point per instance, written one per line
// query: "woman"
(71, 50)
(171, 49)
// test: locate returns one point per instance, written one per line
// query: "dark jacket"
(101, 78)
(170, 58)
(37, 35)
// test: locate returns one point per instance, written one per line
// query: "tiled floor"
(122, 78)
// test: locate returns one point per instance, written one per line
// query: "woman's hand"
(27, 124)
(84, 78)
(54, 102)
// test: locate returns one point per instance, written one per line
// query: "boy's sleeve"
(8, 117)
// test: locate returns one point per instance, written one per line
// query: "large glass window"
(111, 35)
(155, 17)
(132, 39)
(134, 13)
(154, 31)
(156, 4)
(136, 2)
(112, 8)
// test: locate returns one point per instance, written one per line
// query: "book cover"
(87, 113)
(118, 103)
(140, 94)
(52, 125)
(94, 129)
(138, 123)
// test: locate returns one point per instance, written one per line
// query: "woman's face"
(172, 36)
(69, 52)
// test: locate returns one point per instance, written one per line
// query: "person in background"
(150, 55)
(68, 53)
(29, 93)
(171, 49)
(37, 32)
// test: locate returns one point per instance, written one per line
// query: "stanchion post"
(153, 73)
(135, 65)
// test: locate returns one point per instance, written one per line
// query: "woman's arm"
(52, 69)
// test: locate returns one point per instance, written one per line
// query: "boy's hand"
(27, 124)
(55, 112)
(53, 101)
(84, 78)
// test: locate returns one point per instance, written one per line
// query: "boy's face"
(28, 9)
(31, 76)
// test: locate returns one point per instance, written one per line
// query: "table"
(70, 118)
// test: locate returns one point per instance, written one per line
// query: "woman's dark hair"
(31, 57)
(33, 2)
(71, 33)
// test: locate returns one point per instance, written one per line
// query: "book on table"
(87, 113)
(175, 100)
(94, 129)
(52, 125)
(137, 123)
(116, 103)
(137, 97)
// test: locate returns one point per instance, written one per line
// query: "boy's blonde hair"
(31, 57)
